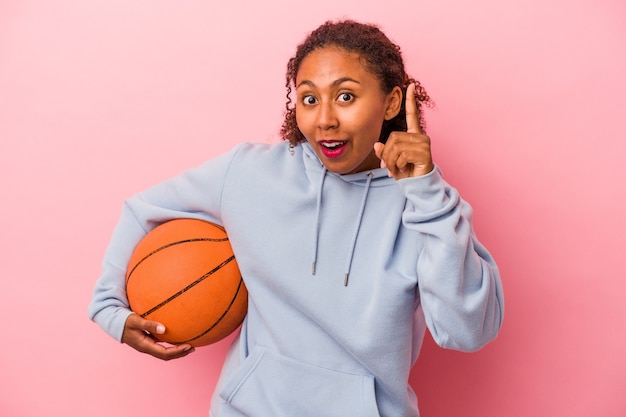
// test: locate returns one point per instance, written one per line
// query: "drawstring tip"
(313, 268)
(345, 280)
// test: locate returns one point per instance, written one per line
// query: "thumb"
(378, 150)
(152, 327)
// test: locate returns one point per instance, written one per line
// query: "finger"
(416, 160)
(407, 155)
(152, 346)
(167, 353)
(153, 327)
(412, 112)
(396, 145)
(164, 352)
(146, 343)
(379, 147)
(135, 321)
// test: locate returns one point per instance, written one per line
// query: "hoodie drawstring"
(317, 219)
(358, 227)
(356, 230)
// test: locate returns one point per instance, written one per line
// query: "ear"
(393, 103)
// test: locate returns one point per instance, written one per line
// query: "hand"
(138, 335)
(406, 154)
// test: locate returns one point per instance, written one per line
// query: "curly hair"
(379, 56)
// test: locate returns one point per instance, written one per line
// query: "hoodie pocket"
(268, 384)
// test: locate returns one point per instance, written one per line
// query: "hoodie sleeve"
(459, 282)
(194, 194)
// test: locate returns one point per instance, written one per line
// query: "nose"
(326, 117)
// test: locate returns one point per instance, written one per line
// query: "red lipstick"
(332, 148)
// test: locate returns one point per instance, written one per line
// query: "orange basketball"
(183, 274)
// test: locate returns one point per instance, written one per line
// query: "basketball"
(184, 275)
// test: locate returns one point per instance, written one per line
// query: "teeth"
(332, 145)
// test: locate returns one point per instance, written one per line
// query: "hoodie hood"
(313, 165)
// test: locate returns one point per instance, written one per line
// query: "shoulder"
(257, 148)
(264, 155)
(262, 152)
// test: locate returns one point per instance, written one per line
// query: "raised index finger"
(412, 112)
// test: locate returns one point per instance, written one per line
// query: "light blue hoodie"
(344, 274)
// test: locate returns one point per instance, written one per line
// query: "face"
(340, 109)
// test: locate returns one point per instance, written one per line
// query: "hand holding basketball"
(184, 285)
(138, 335)
(407, 154)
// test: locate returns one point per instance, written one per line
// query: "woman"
(350, 243)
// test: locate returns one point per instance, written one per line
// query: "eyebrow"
(333, 84)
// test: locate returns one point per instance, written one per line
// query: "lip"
(332, 152)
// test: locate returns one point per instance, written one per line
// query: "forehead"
(332, 63)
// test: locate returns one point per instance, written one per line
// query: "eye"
(309, 100)
(345, 97)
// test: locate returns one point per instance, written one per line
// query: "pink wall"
(101, 99)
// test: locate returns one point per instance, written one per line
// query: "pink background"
(99, 100)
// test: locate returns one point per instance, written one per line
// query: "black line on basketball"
(188, 287)
(169, 245)
(220, 318)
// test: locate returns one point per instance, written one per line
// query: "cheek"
(301, 120)
(306, 124)
(371, 123)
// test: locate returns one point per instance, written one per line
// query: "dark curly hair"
(379, 55)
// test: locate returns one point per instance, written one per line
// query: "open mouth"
(332, 148)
